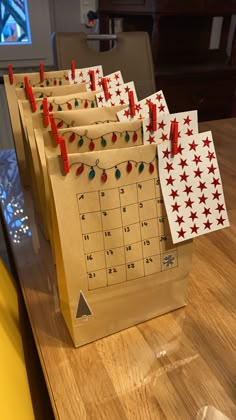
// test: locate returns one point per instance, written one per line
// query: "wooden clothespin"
(92, 80)
(45, 112)
(64, 154)
(41, 71)
(174, 136)
(131, 103)
(54, 128)
(10, 73)
(105, 88)
(32, 99)
(73, 69)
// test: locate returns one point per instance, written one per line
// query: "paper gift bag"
(65, 119)
(62, 119)
(72, 101)
(75, 117)
(118, 265)
(78, 100)
(54, 78)
(82, 139)
(87, 116)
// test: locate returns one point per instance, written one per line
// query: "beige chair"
(131, 54)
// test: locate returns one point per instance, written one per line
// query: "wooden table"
(179, 366)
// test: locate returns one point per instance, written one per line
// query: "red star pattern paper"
(188, 122)
(113, 80)
(83, 76)
(192, 188)
(118, 95)
(142, 107)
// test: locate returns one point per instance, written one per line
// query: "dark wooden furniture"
(191, 75)
(177, 366)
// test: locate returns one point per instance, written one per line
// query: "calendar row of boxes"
(134, 269)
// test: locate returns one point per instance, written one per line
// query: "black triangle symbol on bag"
(83, 308)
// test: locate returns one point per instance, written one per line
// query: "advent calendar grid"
(120, 242)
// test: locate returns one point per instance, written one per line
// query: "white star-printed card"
(113, 80)
(83, 75)
(187, 124)
(191, 187)
(118, 95)
(142, 108)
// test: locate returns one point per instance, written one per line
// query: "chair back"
(131, 54)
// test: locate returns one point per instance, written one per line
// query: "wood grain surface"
(178, 366)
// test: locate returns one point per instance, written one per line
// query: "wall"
(65, 16)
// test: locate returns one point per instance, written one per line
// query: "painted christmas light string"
(49, 81)
(192, 187)
(59, 78)
(75, 102)
(106, 138)
(129, 165)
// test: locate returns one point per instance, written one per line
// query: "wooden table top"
(181, 365)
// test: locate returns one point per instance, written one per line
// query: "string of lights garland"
(60, 123)
(49, 81)
(87, 103)
(130, 164)
(126, 134)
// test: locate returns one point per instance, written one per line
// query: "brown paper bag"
(84, 99)
(119, 266)
(62, 118)
(102, 136)
(77, 117)
(53, 78)
(72, 101)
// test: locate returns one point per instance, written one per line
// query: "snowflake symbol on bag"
(169, 260)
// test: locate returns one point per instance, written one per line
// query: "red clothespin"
(154, 117)
(131, 103)
(105, 88)
(64, 154)
(54, 128)
(26, 82)
(32, 99)
(151, 114)
(73, 69)
(174, 136)
(10, 73)
(41, 71)
(92, 80)
(45, 112)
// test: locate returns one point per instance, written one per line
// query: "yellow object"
(15, 397)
